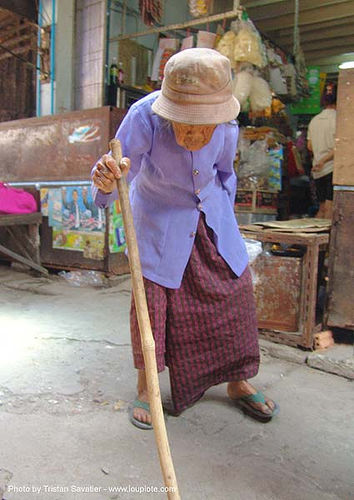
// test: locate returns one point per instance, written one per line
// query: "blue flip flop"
(244, 404)
(145, 406)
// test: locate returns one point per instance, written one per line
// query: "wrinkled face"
(192, 137)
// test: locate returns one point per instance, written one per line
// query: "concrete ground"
(66, 378)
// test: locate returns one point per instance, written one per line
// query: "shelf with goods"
(141, 38)
(265, 78)
(259, 171)
(259, 67)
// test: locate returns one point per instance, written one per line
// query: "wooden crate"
(299, 298)
(277, 288)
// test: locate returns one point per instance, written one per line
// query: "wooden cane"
(147, 339)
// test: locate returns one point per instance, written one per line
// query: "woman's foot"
(237, 390)
(140, 413)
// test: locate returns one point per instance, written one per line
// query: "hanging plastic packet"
(254, 248)
(226, 47)
(241, 87)
(164, 44)
(187, 43)
(206, 39)
(248, 45)
(260, 95)
(254, 159)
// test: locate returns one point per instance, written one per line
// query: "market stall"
(54, 155)
(287, 276)
(265, 80)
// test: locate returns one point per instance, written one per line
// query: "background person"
(321, 140)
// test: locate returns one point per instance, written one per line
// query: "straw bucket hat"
(197, 89)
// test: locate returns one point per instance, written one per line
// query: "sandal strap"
(141, 404)
(255, 398)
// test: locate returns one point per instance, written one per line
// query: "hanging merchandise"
(248, 43)
(261, 95)
(150, 11)
(289, 72)
(252, 91)
(206, 39)
(273, 57)
(220, 31)
(259, 166)
(226, 47)
(199, 8)
(254, 160)
(166, 54)
(277, 106)
(187, 43)
(242, 85)
(294, 162)
(165, 44)
(243, 44)
(276, 156)
(277, 81)
(300, 65)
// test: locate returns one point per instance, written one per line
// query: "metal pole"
(171, 27)
(124, 15)
(106, 62)
(52, 59)
(39, 39)
(296, 28)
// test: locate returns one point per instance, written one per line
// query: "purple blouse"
(170, 186)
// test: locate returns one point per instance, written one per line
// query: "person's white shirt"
(321, 133)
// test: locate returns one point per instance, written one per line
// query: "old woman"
(179, 146)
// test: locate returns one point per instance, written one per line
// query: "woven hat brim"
(197, 114)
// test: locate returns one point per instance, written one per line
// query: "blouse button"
(197, 191)
(199, 206)
(192, 234)
(195, 172)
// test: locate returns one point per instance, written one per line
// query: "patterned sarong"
(205, 331)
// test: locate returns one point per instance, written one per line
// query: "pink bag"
(16, 201)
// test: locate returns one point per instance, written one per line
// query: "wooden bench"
(22, 232)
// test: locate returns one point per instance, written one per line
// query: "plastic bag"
(206, 39)
(277, 81)
(254, 160)
(254, 248)
(84, 278)
(187, 43)
(226, 47)
(260, 95)
(16, 201)
(248, 45)
(241, 86)
(164, 43)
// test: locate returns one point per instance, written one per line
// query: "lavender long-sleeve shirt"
(170, 187)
